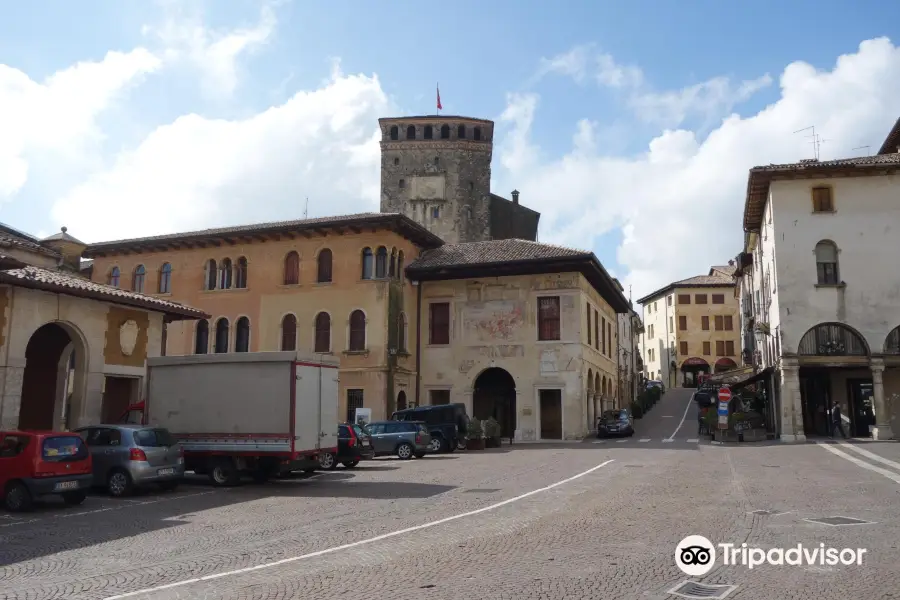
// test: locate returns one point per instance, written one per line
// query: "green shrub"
(475, 430)
(636, 410)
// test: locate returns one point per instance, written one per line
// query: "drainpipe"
(418, 285)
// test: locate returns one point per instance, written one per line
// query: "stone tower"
(437, 171)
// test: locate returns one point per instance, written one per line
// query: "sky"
(630, 126)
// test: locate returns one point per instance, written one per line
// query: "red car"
(34, 464)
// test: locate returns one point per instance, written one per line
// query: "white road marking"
(118, 506)
(622, 441)
(600, 441)
(693, 441)
(871, 455)
(668, 417)
(644, 440)
(378, 538)
(668, 441)
(683, 417)
(892, 476)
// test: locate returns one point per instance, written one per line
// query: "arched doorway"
(401, 400)
(53, 381)
(494, 397)
(724, 364)
(691, 369)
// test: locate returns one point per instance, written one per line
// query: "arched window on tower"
(411, 132)
(289, 332)
(113, 279)
(165, 279)
(392, 270)
(400, 265)
(477, 134)
(461, 132)
(201, 337)
(322, 341)
(827, 263)
(429, 132)
(445, 132)
(381, 263)
(137, 282)
(222, 336)
(395, 132)
(357, 342)
(323, 274)
(211, 274)
(225, 274)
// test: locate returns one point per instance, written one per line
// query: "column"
(791, 405)
(881, 431)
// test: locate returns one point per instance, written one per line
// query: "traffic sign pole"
(724, 401)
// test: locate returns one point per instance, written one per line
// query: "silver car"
(126, 456)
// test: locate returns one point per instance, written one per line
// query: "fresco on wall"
(494, 320)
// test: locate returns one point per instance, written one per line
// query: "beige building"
(72, 352)
(519, 331)
(331, 285)
(691, 328)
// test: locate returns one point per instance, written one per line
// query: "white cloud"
(679, 204)
(709, 99)
(214, 54)
(59, 115)
(198, 172)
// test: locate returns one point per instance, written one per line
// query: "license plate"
(66, 485)
(365, 442)
(165, 472)
(614, 428)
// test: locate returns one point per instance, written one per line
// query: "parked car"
(403, 438)
(354, 445)
(446, 424)
(39, 464)
(657, 384)
(613, 423)
(127, 456)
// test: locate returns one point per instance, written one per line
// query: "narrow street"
(531, 521)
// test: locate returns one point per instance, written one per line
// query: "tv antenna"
(306, 209)
(867, 148)
(816, 140)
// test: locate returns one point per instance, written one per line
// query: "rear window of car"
(153, 438)
(63, 447)
(13, 445)
(422, 429)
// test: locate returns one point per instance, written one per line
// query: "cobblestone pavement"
(377, 531)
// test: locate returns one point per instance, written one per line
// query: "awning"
(739, 378)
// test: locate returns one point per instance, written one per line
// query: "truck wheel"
(437, 444)
(17, 497)
(223, 473)
(404, 451)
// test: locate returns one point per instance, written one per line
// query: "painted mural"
(494, 320)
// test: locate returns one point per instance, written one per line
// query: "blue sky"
(491, 59)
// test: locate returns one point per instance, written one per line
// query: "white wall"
(866, 229)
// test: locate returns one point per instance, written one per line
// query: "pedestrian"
(836, 423)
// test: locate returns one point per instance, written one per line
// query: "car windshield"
(153, 438)
(63, 447)
(610, 414)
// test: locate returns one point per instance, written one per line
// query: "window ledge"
(437, 345)
(225, 290)
(831, 285)
(162, 294)
(290, 286)
(823, 212)
(323, 283)
(356, 352)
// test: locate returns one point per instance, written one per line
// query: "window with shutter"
(548, 318)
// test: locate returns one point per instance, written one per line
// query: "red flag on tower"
(439, 107)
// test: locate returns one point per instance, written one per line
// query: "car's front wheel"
(118, 484)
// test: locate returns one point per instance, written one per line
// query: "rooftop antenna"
(868, 153)
(816, 140)
(306, 209)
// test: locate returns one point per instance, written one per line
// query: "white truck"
(256, 413)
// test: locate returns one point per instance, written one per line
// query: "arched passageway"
(401, 400)
(692, 369)
(724, 364)
(52, 381)
(494, 397)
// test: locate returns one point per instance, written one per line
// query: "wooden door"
(551, 414)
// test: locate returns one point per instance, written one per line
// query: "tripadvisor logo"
(695, 555)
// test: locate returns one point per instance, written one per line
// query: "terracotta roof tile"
(407, 225)
(8, 240)
(491, 252)
(74, 285)
(725, 270)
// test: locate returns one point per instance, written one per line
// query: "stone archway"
(401, 400)
(724, 364)
(53, 381)
(494, 396)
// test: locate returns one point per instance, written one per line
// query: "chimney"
(515, 196)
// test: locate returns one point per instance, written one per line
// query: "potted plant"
(475, 435)
(491, 433)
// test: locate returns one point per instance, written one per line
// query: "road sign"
(723, 421)
(724, 394)
(723, 409)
